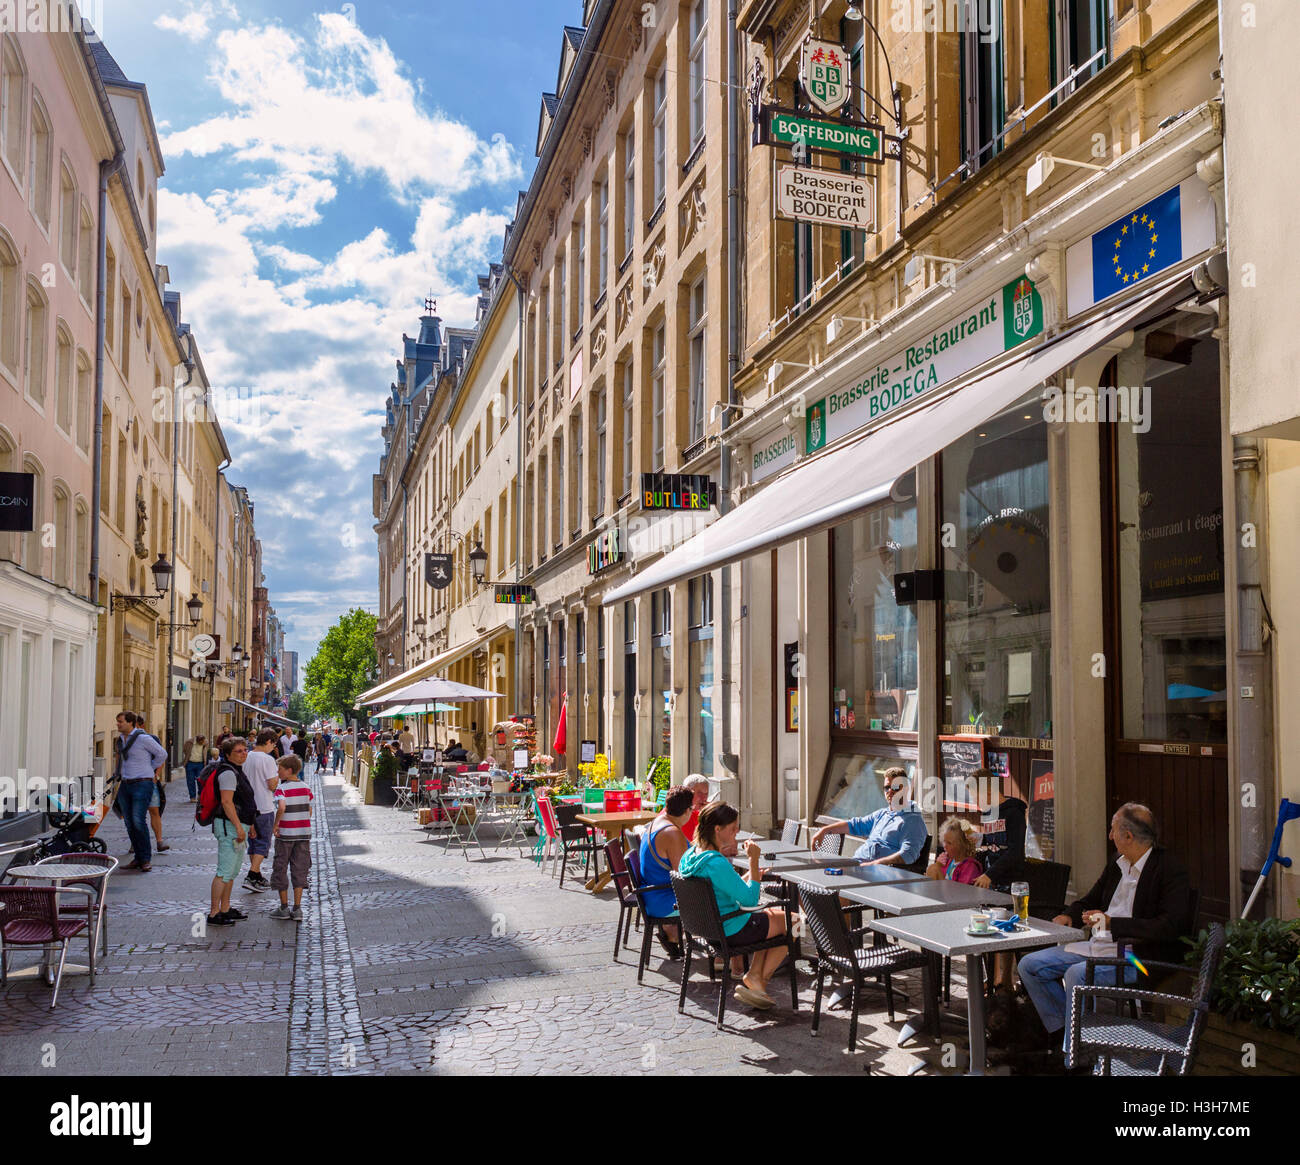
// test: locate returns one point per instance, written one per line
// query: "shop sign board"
(514, 594)
(1008, 318)
(839, 137)
(825, 197)
(678, 491)
(17, 491)
(606, 550)
(824, 74)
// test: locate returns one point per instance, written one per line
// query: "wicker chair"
(790, 831)
(648, 921)
(837, 952)
(628, 903)
(702, 930)
(1048, 884)
(31, 919)
(922, 861)
(1128, 1046)
(832, 844)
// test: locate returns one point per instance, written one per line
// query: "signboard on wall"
(1040, 830)
(514, 594)
(959, 757)
(678, 491)
(17, 491)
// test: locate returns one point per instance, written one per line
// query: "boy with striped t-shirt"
(292, 830)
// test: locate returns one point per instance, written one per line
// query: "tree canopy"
(340, 670)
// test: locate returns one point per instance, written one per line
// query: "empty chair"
(790, 831)
(837, 951)
(832, 844)
(621, 876)
(31, 919)
(1048, 883)
(92, 910)
(575, 839)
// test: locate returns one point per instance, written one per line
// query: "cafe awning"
(266, 715)
(833, 486)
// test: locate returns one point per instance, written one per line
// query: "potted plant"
(659, 774)
(385, 776)
(1253, 1028)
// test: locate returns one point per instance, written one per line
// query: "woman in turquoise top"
(716, 835)
(662, 847)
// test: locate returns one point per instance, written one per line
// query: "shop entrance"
(1167, 650)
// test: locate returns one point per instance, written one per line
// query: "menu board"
(1040, 831)
(959, 757)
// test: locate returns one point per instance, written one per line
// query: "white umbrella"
(436, 690)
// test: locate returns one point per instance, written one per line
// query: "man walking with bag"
(138, 756)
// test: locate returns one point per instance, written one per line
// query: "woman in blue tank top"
(662, 846)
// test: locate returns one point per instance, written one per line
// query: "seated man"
(895, 834)
(1142, 898)
(699, 787)
(455, 752)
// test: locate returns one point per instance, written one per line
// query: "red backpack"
(209, 795)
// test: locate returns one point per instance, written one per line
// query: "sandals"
(754, 998)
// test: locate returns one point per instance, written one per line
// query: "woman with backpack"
(228, 804)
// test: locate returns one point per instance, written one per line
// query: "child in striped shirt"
(292, 830)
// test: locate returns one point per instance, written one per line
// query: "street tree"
(340, 670)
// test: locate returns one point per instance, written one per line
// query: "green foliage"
(340, 670)
(659, 772)
(299, 709)
(1259, 979)
(385, 767)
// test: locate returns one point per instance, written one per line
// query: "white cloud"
(195, 22)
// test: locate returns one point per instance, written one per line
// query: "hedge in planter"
(1255, 1001)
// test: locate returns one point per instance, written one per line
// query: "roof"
(108, 67)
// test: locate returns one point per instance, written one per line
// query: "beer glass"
(1020, 899)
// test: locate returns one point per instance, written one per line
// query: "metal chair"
(460, 812)
(404, 796)
(790, 831)
(576, 839)
(1048, 884)
(1129, 1046)
(16, 853)
(547, 833)
(95, 912)
(702, 930)
(31, 919)
(837, 951)
(628, 903)
(832, 843)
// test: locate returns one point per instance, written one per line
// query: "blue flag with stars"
(1136, 246)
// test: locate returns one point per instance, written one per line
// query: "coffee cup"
(979, 922)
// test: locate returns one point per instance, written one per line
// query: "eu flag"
(1141, 243)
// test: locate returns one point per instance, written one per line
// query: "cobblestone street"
(409, 960)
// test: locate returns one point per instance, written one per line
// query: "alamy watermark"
(60, 16)
(1080, 404)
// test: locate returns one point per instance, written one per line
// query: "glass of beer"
(1020, 899)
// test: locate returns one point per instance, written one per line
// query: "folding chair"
(404, 796)
(461, 814)
(514, 812)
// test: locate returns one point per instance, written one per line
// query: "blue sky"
(325, 168)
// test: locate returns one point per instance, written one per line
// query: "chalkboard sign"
(959, 757)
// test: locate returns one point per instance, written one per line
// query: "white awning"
(833, 486)
(267, 715)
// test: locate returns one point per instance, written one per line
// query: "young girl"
(958, 861)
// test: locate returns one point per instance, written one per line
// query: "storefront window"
(630, 766)
(661, 674)
(854, 785)
(997, 615)
(701, 661)
(1169, 505)
(875, 638)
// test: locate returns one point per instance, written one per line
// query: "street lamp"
(162, 575)
(478, 559)
(195, 608)
(236, 653)
(162, 581)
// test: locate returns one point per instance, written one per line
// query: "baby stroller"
(74, 829)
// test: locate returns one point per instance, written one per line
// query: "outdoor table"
(852, 877)
(768, 848)
(925, 897)
(613, 825)
(58, 872)
(783, 863)
(944, 933)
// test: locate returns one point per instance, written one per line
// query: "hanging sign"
(437, 570)
(824, 74)
(837, 137)
(606, 550)
(515, 594)
(825, 197)
(677, 491)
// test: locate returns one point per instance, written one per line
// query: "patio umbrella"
(435, 690)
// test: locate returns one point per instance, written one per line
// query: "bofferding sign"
(827, 197)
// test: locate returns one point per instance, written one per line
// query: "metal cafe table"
(944, 934)
(852, 874)
(925, 897)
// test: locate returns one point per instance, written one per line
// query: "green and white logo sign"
(1004, 321)
(824, 72)
(859, 140)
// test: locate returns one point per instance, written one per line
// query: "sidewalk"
(409, 960)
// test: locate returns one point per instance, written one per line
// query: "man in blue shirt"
(139, 756)
(895, 834)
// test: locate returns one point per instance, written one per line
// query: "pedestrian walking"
(260, 770)
(292, 839)
(234, 818)
(301, 746)
(139, 755)
(338, 754)
(286, 743)
(195, 752)
(158, 799)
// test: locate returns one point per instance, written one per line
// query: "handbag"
(162, 797)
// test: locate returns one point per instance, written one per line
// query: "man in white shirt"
(260, 770)
(1142, 899)
(286, 743)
